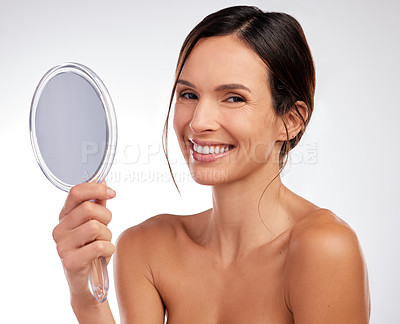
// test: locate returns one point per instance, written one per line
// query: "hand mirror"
(74, 135)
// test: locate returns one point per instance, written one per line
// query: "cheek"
(181, 119)
(256, 136)
(264, 148)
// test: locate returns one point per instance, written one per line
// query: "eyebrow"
(230, 86)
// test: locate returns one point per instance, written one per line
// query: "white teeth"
(210, 149)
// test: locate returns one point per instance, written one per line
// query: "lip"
(208, 157)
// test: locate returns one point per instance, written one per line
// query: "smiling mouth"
(210, 149)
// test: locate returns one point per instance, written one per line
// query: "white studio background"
(347, 162)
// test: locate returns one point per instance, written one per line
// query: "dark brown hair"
(279, 41)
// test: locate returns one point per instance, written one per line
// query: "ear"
(293, 121)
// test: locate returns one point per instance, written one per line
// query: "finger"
(80, 259)
(84, 212)
(102, 202)
(85, 191)
(83, 235)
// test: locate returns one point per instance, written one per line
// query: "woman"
(244, 92)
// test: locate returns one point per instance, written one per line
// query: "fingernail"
(110, 193)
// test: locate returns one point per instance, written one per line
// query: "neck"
(245, 215)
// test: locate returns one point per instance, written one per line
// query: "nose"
(204, 117)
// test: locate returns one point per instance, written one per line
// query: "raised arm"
(326, 275)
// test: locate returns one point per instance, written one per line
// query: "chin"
(210, 177)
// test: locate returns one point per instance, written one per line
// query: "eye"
(188, 96)
(235, 99)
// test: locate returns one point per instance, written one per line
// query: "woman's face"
(224, 118)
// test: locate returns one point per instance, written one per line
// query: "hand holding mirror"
(74, 135)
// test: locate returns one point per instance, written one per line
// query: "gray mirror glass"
(71, 128)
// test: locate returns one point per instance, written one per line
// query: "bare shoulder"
(326, 271)
(322, 237)
(152, 234)
(159, 233)
(323, 229)
(162, 223)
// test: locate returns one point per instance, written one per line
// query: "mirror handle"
(98, 279)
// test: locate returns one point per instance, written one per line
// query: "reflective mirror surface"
(71, 128)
